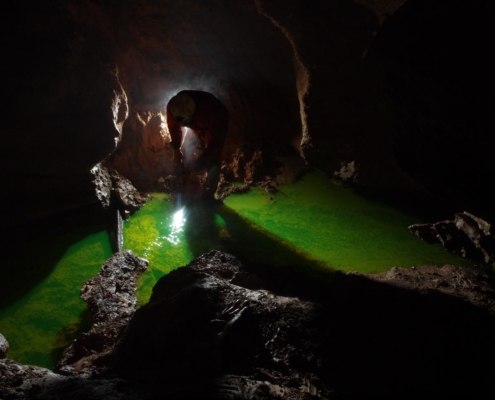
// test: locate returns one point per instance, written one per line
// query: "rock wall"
(331, 76)
(64, 113)
(331, 39)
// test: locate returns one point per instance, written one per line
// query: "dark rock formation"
(18, 381)
(340, 125)
(103, 185)
(112, 302)
(4, 346)
(468, 236)
(64, 113)
(438, 108)
(119, 198)
(253, 167)
(218, 329)
(283, 334)
(214, 311)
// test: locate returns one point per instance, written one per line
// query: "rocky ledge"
(467, 235)
(112, 302)
(220, 329)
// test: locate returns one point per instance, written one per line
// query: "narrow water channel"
(310, 224)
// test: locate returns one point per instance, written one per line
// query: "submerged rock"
(112, 302)
(4, 346)
(467, 236)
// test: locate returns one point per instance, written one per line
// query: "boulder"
(468, 236)
(212, 321)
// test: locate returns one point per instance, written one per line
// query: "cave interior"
(392, 98)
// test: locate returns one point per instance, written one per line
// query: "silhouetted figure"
(208, 118)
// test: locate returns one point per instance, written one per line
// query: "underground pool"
(311, 224)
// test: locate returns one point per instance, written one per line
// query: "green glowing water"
(312, 223)
(44, 321)
(309, 224)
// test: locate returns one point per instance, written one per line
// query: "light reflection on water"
(176, 227)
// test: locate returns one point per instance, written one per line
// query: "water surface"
(312, 224)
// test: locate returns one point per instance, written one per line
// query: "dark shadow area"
(433, 81)
(31, 251)
(69, 332)
(383, 340)
(423, 206)
(371, 339)
(248, 242)
(375, 338)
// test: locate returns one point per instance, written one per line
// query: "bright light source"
(177, 226)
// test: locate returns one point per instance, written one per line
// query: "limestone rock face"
(327, 76)
(113, 189)
(144, 154)
(112, 302)
(4, 346)
(128, 197)
(330, 40)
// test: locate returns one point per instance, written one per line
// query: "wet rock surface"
(467, 235)
(112, 302)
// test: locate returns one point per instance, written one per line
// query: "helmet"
(182, 107)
